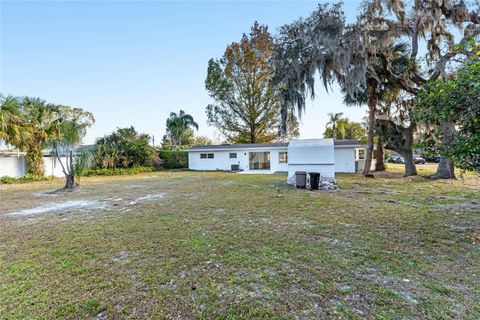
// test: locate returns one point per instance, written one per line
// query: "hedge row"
(25, 179)
(118, 171)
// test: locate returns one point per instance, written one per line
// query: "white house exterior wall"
(311, 152)
(345, 159)
(13, 167)
(311, 155)
(16, 166)
(222, 160)
(325, 170)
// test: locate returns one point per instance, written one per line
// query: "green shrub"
(174, 159)
(118, 171)
(124, 148)
(26, 178)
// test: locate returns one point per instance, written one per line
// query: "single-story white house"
(325, 156)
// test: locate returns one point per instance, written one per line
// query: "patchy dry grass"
(230, 246)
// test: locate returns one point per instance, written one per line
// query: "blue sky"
(131, 63)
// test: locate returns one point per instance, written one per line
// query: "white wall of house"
(221, 159)
(325, 170)
(16, 166)
(311, 155)
(345, 159)
(53, 167)
(13, 167)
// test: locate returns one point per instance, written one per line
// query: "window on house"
(210, 156)
(203, 156)
(283, 157)
(361, 154)
(233, 155)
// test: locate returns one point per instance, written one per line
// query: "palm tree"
(177, 125)
(332, 120)
(41, 125)
(393, 67)
(11, 130)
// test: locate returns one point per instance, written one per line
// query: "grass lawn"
(191, 245)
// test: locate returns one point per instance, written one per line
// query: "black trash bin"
(314, 180)
(301, 179)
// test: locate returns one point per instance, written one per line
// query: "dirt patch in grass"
(72, 205)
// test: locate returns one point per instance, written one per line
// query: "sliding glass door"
(259, 160)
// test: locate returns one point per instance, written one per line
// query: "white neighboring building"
(14, 165)
(312, 155)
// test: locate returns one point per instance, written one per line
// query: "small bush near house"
(174, 159)
(24, 179)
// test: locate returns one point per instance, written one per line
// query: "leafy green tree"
(203, 141)
(178, 126)
(123, 148)
(333, 118)
(391, 109)
(246, 108)
(347, 129)
(455, 103)
(187, 140)
(73, 126)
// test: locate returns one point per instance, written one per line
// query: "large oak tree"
(358, 55)
(246, 108)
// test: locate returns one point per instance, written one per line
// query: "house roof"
(239, 146)
(347, 142)
(226, 146)
(11, 154)
(310, 142)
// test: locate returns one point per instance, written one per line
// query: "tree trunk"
(334, 131)
(252, 134)
(446, 168)
(410, 168)
(70, 173)
(379, 156)
(70, 182)
(35, 164)
(372, 105)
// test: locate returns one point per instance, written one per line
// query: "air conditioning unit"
(235, 167)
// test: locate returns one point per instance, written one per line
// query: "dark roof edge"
(346, 142)
(239, 146)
